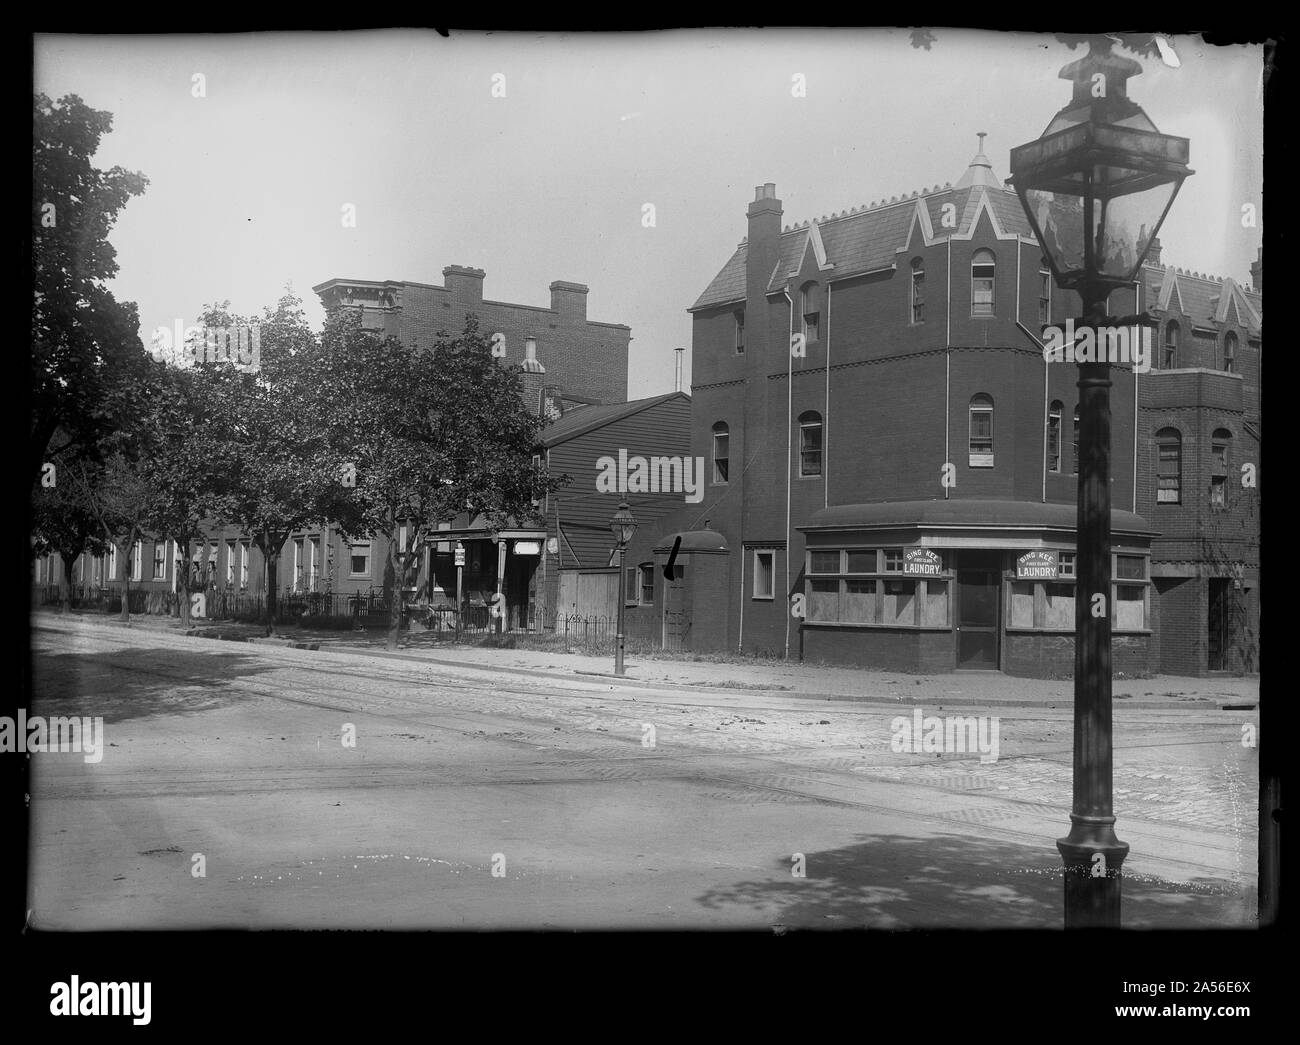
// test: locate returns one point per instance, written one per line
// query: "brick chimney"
(1153, 253)
(465, 284)
(764, 245)
(1257, 270)
(569, 299)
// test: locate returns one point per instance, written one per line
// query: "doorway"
(1221, 620)
(979, 585)
(676, 621)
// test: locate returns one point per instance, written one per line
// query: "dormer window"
(983, 268)
(1171, 345)
(810, 307)
(1229, 351)
(918, 291)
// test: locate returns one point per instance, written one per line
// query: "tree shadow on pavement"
(956, 882)
(138, 682)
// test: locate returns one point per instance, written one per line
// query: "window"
(1130, 568)
(1065, 564)
(810, 444)
(359, 559)
(740, 332)
(721, 450)
(1044, 295)
(870, 589)
(243, 564)
(1130, 607)
(918, 291)
(824, 562)
(983, 267)
(861, 562)
(1219, 443)
(647, 583)
(159, 560)
(313, 562)
(630, 585)
(764, 574)
(898, 601)
(1058, 606)
(1229, 351)
(112, 563)
(297, 563)
(893, 561)
(1171, 345)
(137, 560)
(1169, 466)
(981, 431)
(1074, 449)
(810, 308)
(230, 564)
(1054, 436)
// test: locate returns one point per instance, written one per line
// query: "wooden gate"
(676, 622)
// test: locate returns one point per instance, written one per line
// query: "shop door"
(977, 618)
(1220, 637)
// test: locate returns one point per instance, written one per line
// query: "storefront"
(937, 586)
(490, 561)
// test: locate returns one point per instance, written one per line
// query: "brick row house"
(890, 455)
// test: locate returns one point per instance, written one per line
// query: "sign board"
(1037, 566)
(528, 547)
(460, 554)
(921, 562)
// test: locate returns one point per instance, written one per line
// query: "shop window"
(823, 599)
(1130, 607)
(898, 601)
(1065, 564)
(1022, 604)
(1054, 436)
(764, 574)
(721, 451)
(1058, 606)
(810, 444)
(934, 607)
(983, 269)
(981, 431)
(859, 605)
(861, 562)
(918, 291)
(1130, 568)
(893, 560)
(824, 562)
(1169, 469)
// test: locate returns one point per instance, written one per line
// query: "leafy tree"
(64, 520)
(422, 435)
(87, 358)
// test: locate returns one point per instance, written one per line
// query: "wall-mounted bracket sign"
(528, 547)
(921, 562)
(1037, 566)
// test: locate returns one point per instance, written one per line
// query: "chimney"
(1257, 270)
(569, 299)
(680, 353)
(1153, 252)
(764, 246)
(465, 284)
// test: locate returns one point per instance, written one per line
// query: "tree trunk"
(272, 559)
(183, 585)
(395, 598)
(65, 605)
(126, 585)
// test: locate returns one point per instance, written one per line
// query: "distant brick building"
(908, 469)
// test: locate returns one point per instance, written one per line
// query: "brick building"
(886, 441)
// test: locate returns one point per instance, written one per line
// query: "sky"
(532, 155)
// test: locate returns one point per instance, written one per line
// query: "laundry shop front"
(504, 560)
(939, 586)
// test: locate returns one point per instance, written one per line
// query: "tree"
(64, 520)
(276, 472)
(422, 435)
(1144, 45)
(87, 357)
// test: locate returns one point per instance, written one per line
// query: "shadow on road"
(958, 882)
(138, 682)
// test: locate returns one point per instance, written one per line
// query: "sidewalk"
(811, 681)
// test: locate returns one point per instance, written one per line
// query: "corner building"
(911, 469)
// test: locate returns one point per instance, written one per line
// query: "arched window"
(981, 431)
(1171, 345)
(1169, 466)
(1054, 436)
(1229, 351)
(1074, 452)
(810, 444)
(721, 451)
(810, 307)
(983, 267)
(918, 291)
(1220, 445)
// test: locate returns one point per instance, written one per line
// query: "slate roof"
(586, 418)
(1205, 298)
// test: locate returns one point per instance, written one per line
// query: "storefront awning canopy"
(959, 514)
(480, 529)
(694, 541)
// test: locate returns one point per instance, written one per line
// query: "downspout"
(789, 449)
(947, 376)
(1138, 331)
(826, 415)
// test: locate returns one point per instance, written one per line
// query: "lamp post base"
(1093, 857)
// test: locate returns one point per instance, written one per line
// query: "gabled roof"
(588, 418)
(866, 239)
(1207, 300)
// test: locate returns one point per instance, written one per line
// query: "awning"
(962, 514)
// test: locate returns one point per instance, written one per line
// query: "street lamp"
(1096, 186)
(623, 525)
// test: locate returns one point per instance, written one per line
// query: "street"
(475, 798)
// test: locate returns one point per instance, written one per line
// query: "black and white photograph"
(706, 480)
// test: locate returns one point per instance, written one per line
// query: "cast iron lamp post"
(1096, 186)
(623, 526)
